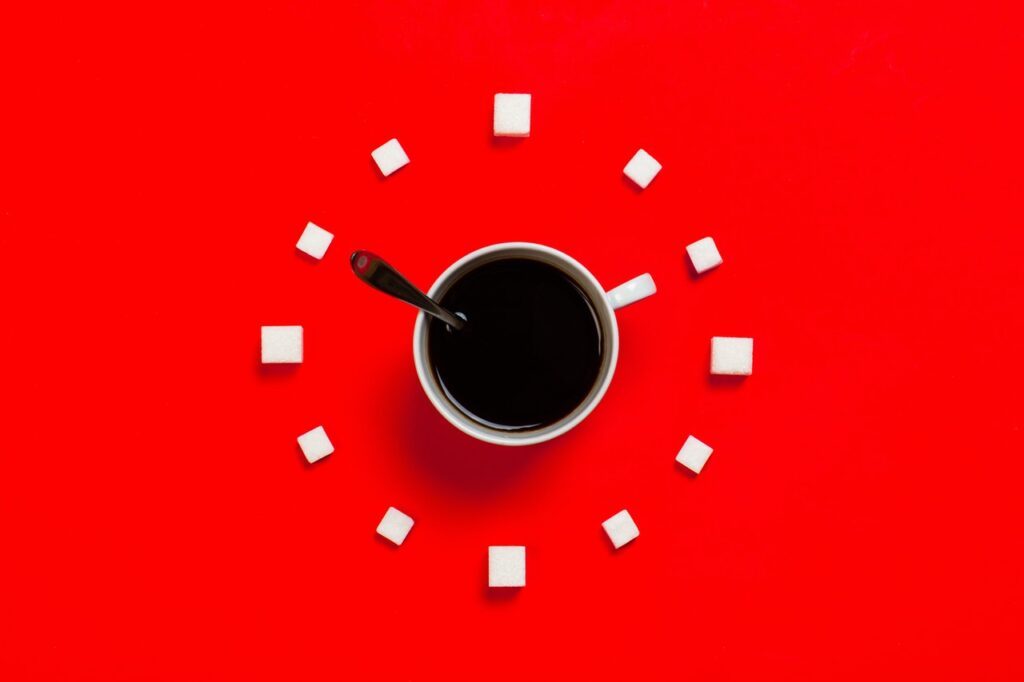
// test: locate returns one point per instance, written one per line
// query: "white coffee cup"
(605, 305)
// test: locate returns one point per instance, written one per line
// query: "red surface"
(858, 165)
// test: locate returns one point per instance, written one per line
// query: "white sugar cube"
(704, 255)
(642, 168)
(621, 529)
(632, 291)
(506, 566)
(389, 157)
(732, 355)
(395, 525)
(281, 344)
(315, 444)
(511, 115)
(314, 241)
(694, 454)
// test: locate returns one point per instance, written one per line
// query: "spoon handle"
(375, 271)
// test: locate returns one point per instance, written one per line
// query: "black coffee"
(530, 351)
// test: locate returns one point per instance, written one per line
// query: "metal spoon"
(375, 271)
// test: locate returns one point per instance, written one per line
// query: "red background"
(859, 167)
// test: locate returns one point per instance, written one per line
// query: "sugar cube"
(704, 255)
(506, 566)
(395, 525)
(632, 291)
(642, 168)
(315, 444)
(511, 115)
(281, 344)
(621, 529)
(389, 157)
(732, 355)
(314, 241)
(694, 454)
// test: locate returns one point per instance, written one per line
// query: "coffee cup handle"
(632, 291)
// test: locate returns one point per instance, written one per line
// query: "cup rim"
(463, 423)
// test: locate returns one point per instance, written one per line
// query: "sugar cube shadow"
(637, 189)
(274, 370)
(689, 473)
(305, 257)
(454, 460)
(381, 540)
(610, 546)
(496, 595)
(726, 381)
(607, 541)
(380, 175)
(692, 271)
(306, 464)
(505, 142)
(500, 141)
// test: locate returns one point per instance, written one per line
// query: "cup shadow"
(453, 460)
